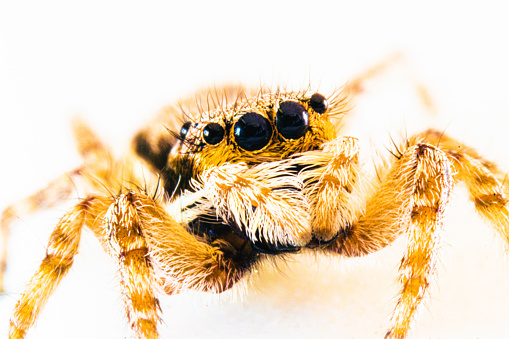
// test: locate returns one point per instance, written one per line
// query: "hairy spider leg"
(188, 262)
(57, 191)
(433, 183)
(127, 244)
(487, 185)
(330, 175)
(62, 247)
(134, 228)
(54, 193)
(410, 197)
(120, 224)
(485, 182)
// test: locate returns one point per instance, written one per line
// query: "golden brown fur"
(237, 207)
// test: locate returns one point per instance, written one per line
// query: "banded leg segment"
(137, 281)
(96, 156)
(487, 185)
(418, 267)
(411, 198)
(183, 259)
(56, 192)
(62, 247)
(387, 212)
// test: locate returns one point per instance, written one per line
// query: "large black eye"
(213, 133)
(184, 129)
(292, 120)
(318, 103)
(252, 131)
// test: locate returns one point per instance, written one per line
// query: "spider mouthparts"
(277, 248)
(316, 242)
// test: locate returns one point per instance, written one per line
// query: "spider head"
(265, 128)
(262, 129)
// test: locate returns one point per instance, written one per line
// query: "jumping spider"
(254, 175)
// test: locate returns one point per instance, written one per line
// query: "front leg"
(175, 254)
(433, 183)
(128, 246)
(411, 197)
(330, 176)
(149, 244)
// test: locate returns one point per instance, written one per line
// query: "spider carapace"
(249, 177)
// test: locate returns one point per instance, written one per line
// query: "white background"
(117, 63)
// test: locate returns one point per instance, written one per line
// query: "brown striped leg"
(411, 197)
(487, 185)
(99, 161)
(137, 282)
(150, 244)
(62, 247)
(56, 192)
(432, 187)
(186, 261)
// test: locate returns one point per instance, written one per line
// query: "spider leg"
(180, 256)
(487, 185)
(411, 197)
(330, 175)
(432, 188)
(62, 247)
(54, 193)
(127, 244)
(96, 156)
(356, 85)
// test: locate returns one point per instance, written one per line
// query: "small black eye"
(252, 131)
(184, 129)
(318, 103)
(213, 133)
(292, 120)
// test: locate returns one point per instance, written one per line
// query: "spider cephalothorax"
(251, 131)
(264, 128)
(250, 177)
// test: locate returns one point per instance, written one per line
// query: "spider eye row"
(252, 131)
